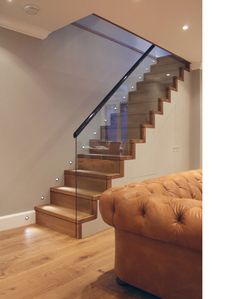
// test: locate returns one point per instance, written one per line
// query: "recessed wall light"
(185, 27)
(168, 75)
(26, 217)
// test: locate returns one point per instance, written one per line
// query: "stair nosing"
(89, 173)
(71, 193)
(106, 157)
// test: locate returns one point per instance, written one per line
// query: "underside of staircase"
(76, 202)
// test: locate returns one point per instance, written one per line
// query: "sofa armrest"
(168, 219)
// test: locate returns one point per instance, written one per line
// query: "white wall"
(196, 119)
(47, 88)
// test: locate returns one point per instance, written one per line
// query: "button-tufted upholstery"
(162, 217)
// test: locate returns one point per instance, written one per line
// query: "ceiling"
(159, 21)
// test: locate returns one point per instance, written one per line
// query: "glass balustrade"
(110, 129)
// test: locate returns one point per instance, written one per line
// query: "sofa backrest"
(182, 185)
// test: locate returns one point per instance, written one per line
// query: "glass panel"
(109, 134)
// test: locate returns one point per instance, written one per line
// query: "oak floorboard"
(38, 263)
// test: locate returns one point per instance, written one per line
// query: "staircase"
(103, 159)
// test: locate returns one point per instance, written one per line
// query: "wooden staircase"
(104, 159)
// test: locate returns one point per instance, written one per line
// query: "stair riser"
(119, 133)
(166, 60)
(161, 77)
(166, 80)
(113, 133)
(90, 183)
(116, 119)
(152, 88)
(59, 225)
(144, 107)
(68, 201)
(134, 133)
(138, 118)
(165, 68)
(141, 97)
(132, 118)
(110, 166)
(114, 148)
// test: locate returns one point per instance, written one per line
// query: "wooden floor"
(36, 262)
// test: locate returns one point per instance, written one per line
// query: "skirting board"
(17, 220)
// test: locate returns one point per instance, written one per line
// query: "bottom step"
(62, 219)
(59, 225)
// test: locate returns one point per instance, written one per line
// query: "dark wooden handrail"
(110, 94)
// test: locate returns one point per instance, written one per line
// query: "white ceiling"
(159, 21)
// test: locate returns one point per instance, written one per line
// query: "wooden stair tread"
(89, 194)
(92, 173)
(132, 140)
(162, 73)
(65, 213)
(106, 156)
(119, 141)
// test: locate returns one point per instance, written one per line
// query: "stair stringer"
(165, 150)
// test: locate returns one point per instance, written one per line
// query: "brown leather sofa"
(158, 234)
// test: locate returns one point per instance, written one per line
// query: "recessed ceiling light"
(9, 1)
(31, 9)
(185, 27)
